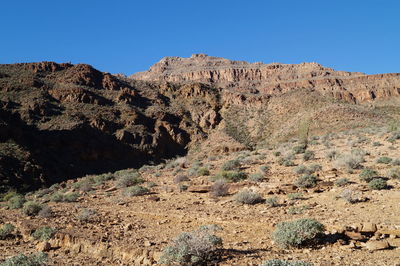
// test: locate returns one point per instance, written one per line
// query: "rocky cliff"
(274, 78)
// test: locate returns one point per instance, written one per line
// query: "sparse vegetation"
(44, 233)
(16, 201)
(31, 208)
(394, 173)
(136, 191)
(295, 196)
(230, 165)
(230, 176)
(349, 161)
(377, 184)
(384, 160)
(272, 202)
(341, 182)
(199, 247)
(351, 196)
(247, 196)
(6, 231)
(180, 178)
(257, 177)
(38, 259)
(306, 181)
(219, 188)
(297, 233)
(87, 215)
(129, 180)
(308, 155)
(368, 174)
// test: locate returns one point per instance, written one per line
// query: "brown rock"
(43, 247)
(354, 235)
(368, 228)
(394, 242)
(199, 189)
(377, 245)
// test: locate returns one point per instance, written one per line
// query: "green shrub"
(70, 197)
(297, 233)
(368, 174)
(332, 155)
(129, 180)
(247, 196)
(203, 171)
(182, 187)
(38, 259)
(377, 184)
(295, 196)
(6, 231)
(297, 210)
(31, 208)
(44, 233)
(230, 176)
(286, 263)
(9, 195)
(308, 155)
(277, 153)
(376, 144)
(257, 177)
(301, 169)
(136, 191)
(342, 182)
(306, 181)
(384, 160)
(57, 197)
(272, 202)
(394, 173)
(199, 247)
(16, 202)
(314, 168)
(299, 149)
(230, 165)
(396, 162)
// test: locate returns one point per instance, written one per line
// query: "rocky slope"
(62, 121)
(273, 78)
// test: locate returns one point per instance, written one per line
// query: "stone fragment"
(368, 228)
(199, 189)
(373, 245)
(43, 246)
(354, 235)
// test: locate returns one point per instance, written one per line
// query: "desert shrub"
(87, 215)
(299, 149)
(368, 174)
(297, 210)
(349, 161)
(9, 195)
(257, 177)
(247, 196)
(42, 192)
(265, 168)
(38, 259)
(376, 144)
(285, 263)
(31, 208)
(136, 191)
(151, 184)
(230, 165)
(332, 155)
(180, 178)
(129, 180)
(46, 212)
(16, 202)
(70, 197)
(308, 155)
(203, 171)
(199, 247)
(396, 162)
(230, 176)
(314, 168)
(384, 160)
(351, 196)
(394, 173)
(297, 233)
(182, 187)
(395, 136)
(306, 181)
(219, 188)
(272, 202)
(341, 182)
(295, 196)
(377, 184)
(301, 169)
(6, 231)
(44, 233)
(57, 197)
(277, 153)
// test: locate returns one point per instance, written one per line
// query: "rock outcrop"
(274, 78)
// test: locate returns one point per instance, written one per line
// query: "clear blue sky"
(124, 36)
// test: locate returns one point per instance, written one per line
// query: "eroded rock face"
(61, 121)
(274, 78)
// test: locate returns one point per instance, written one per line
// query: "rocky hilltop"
(272, 78)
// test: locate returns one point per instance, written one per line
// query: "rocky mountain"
(60, 121)
(274, 78)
